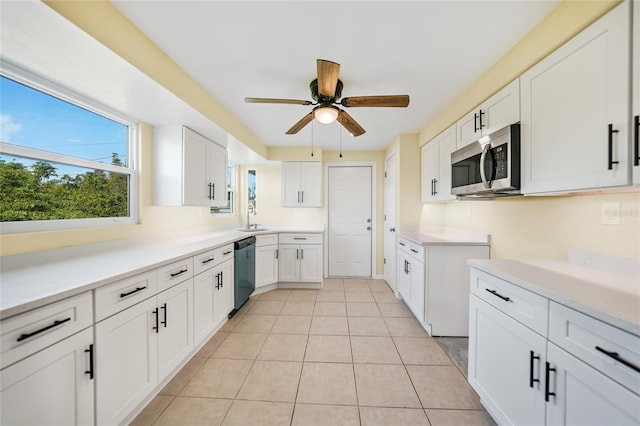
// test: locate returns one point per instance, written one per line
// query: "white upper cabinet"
(301, 184)
(635, 68)
(189, 169)
(436, 166)
(500, 110)
(575, 111)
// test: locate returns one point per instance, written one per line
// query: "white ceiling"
(430, 50)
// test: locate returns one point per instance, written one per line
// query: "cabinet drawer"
(32, 331)
(204, 261)
(614, 352)
(300, 238)
(175, 273)
(520, 304)
(223, 253)
(266, 240)
(412, 249)
(113, 298)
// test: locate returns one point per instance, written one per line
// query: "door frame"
(374, 216)
(394, 250)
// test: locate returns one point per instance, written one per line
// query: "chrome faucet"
(250, 209)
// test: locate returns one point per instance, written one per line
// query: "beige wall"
(537, 227)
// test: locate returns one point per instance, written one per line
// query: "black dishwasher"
(244, 271)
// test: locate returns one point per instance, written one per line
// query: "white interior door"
(390, 221)
(350, 221)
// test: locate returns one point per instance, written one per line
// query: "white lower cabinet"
(138, 347)
(266, 260)
(212, 298)
(52, 387)
(223, 291)
(411, 283)
(577, 371)
(300, 258)
(502, 353)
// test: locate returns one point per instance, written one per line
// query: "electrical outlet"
(611, 213)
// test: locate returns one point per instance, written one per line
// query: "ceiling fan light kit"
(326, 90)
(326, 114)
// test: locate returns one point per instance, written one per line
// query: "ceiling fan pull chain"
(312, 138)
(340, 142)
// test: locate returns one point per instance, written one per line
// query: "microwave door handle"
(483, 157)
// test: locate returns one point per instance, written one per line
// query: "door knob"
(368, 228)
(368, 220)
(392, 229)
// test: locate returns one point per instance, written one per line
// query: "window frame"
(231, 195)
(48, 87)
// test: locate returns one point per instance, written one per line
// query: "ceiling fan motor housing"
(325, 99)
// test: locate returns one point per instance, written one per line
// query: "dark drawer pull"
(402, 244)
(164, 308)
(495, 293)
(204, 262)
(90, 371)
(129, 293)
(175, 274)
(415, 251)
(610, 147)
(618, 358)
(227, 252)
(299, 238)
(42, 330)
(157, 319)
(547, 384)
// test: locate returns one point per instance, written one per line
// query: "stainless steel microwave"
(489, 167)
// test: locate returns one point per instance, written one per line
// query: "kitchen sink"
(253, 229)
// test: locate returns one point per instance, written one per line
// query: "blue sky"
(33, 119)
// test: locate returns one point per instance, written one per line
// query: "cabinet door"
(636, 93)
(467, 129)
(290, 184)
(217, 165)
(404, 279)
(429, 170)
(584, 396)
(195, 174)
(310, 184)
(501, 354)
(311, 263)
(126, 361)
(223, 295)
(175, 335)
(417, 289)
(203, 287)
(50, 387)
(266, 265)
(446, 145)
(501, 109)
(289, 263)
(569, 101)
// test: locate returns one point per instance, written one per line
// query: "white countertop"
(609, 294)
(444, 236)
(30, 280)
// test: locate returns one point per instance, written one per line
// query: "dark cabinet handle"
(402, 244)
(276, 253)
(618, 358)
(164, 308)
(532, 357)
(297, 253)
(610, 147)
(301, 253)
(90, 371)
(495, 293)
(302, 196)
(392, 229)
(205, 261)
(435, 187)
(213, 191)
(157, 326)
(415, 251)
(218, 281)
(298, 196)
(175, 274)
(475, 122)
(221, 279)
(636, 143)
(129, 293)
(480, 117)
(42, 330)
(547, 373)
(210, 192)
(300, 238)
(227, 252)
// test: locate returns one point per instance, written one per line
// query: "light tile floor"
(349, 354)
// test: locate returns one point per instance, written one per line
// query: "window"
(64, 161)
(231, 184)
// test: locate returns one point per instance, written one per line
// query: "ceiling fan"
(326, 90)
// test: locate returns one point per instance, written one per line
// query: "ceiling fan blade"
(350, 124)
(327, 77)
(300, 124)
(400, 101)
(276, 101)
